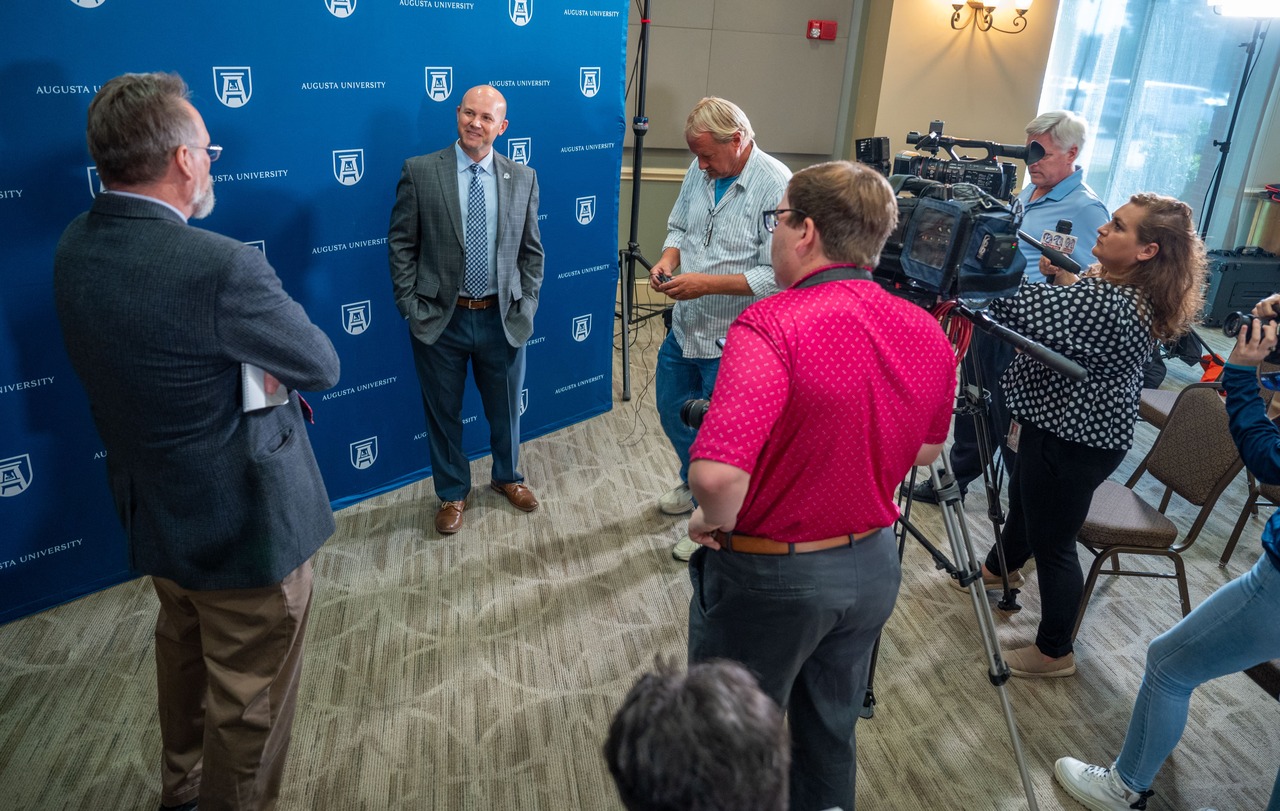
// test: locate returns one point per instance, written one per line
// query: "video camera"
(955, 237)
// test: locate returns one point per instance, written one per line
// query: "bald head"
(482, 117)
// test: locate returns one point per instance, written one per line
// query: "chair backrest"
(1194, 455)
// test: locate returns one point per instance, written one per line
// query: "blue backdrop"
(317, 103)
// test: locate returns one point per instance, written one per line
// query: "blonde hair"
(721, 118)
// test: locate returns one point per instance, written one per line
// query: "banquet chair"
(1194, 457)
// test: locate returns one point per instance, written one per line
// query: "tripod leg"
(957, 529)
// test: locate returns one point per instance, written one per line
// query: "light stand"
(1224, 146)
(628, 256)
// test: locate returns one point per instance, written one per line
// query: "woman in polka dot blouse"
(1071, 435)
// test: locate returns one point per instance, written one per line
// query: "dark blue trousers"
(475, 337)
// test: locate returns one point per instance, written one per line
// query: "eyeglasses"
(214, 150)
(771, 217)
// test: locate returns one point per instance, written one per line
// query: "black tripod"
(630, 255)
(967, 568)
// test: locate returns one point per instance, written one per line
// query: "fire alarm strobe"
(821, 29)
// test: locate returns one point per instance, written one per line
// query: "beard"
(202, 202)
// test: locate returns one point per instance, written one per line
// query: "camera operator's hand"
(702, 532)
(1254, 342)
(1055, 274)
(1269, 307)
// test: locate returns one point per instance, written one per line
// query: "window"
(1156, 79)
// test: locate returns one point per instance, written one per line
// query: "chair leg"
(1253, 488)
(1250, 508)
(1089, 583)
(1181, 573)
(1138, 471)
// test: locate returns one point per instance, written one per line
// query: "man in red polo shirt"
(828, 393)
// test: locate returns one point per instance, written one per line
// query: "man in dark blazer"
(466, 268)
(223, 508)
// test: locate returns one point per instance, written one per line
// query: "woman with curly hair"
(1070, 435)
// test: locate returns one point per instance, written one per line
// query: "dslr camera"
(1231, 326)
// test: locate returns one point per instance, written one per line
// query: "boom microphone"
(1055, 256)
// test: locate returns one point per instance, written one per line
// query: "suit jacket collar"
(137, 207)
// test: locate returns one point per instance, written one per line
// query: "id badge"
(1015, 430)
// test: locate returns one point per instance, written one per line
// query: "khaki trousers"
(228, 664)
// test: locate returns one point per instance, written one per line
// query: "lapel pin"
(506, 176)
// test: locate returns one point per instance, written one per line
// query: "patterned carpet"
(480, 671)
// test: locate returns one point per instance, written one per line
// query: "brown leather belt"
(751, 545)
(477, 303)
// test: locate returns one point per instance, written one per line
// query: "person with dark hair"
(222, 507)
(706, 740)
(1072, 434)
(828, 393)
(1233, 630)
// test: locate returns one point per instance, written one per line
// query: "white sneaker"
(677, 501)
(684, 548)
(1096, 787)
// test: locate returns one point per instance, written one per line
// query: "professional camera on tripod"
(955, 238)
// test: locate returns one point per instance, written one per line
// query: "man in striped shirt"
(717, 243)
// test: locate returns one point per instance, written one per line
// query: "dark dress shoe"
(923, 493)
(449, 517)
(521, 497)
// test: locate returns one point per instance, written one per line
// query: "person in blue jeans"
(1233, 630)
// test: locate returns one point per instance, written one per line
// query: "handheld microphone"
(1060, 239)
(1055, 256)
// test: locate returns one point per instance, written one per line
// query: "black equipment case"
(1238, 280)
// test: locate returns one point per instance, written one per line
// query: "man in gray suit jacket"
(466, 268)
(223, 508)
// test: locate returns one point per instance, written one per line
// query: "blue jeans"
(1235, 629)
(805, 625)
(681, 379)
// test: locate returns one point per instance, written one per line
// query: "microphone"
(1060, 239)
(1056, 256)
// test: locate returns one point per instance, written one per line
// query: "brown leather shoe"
(449, 517)
(521, 497)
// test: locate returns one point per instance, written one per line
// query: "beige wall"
(984, 85)
(908, 68)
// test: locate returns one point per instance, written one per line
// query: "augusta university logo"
(233, 86)
(88, 3)
(519, 150)
(589, 81)
(581, 327)
(364, 452)
(356, 317)
(341, 8)
(520, 11)
(439, 83)
(15, 475)
(586, 210)
(524, 401)
(348, 166)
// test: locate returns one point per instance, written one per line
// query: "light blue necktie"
(477, 275)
